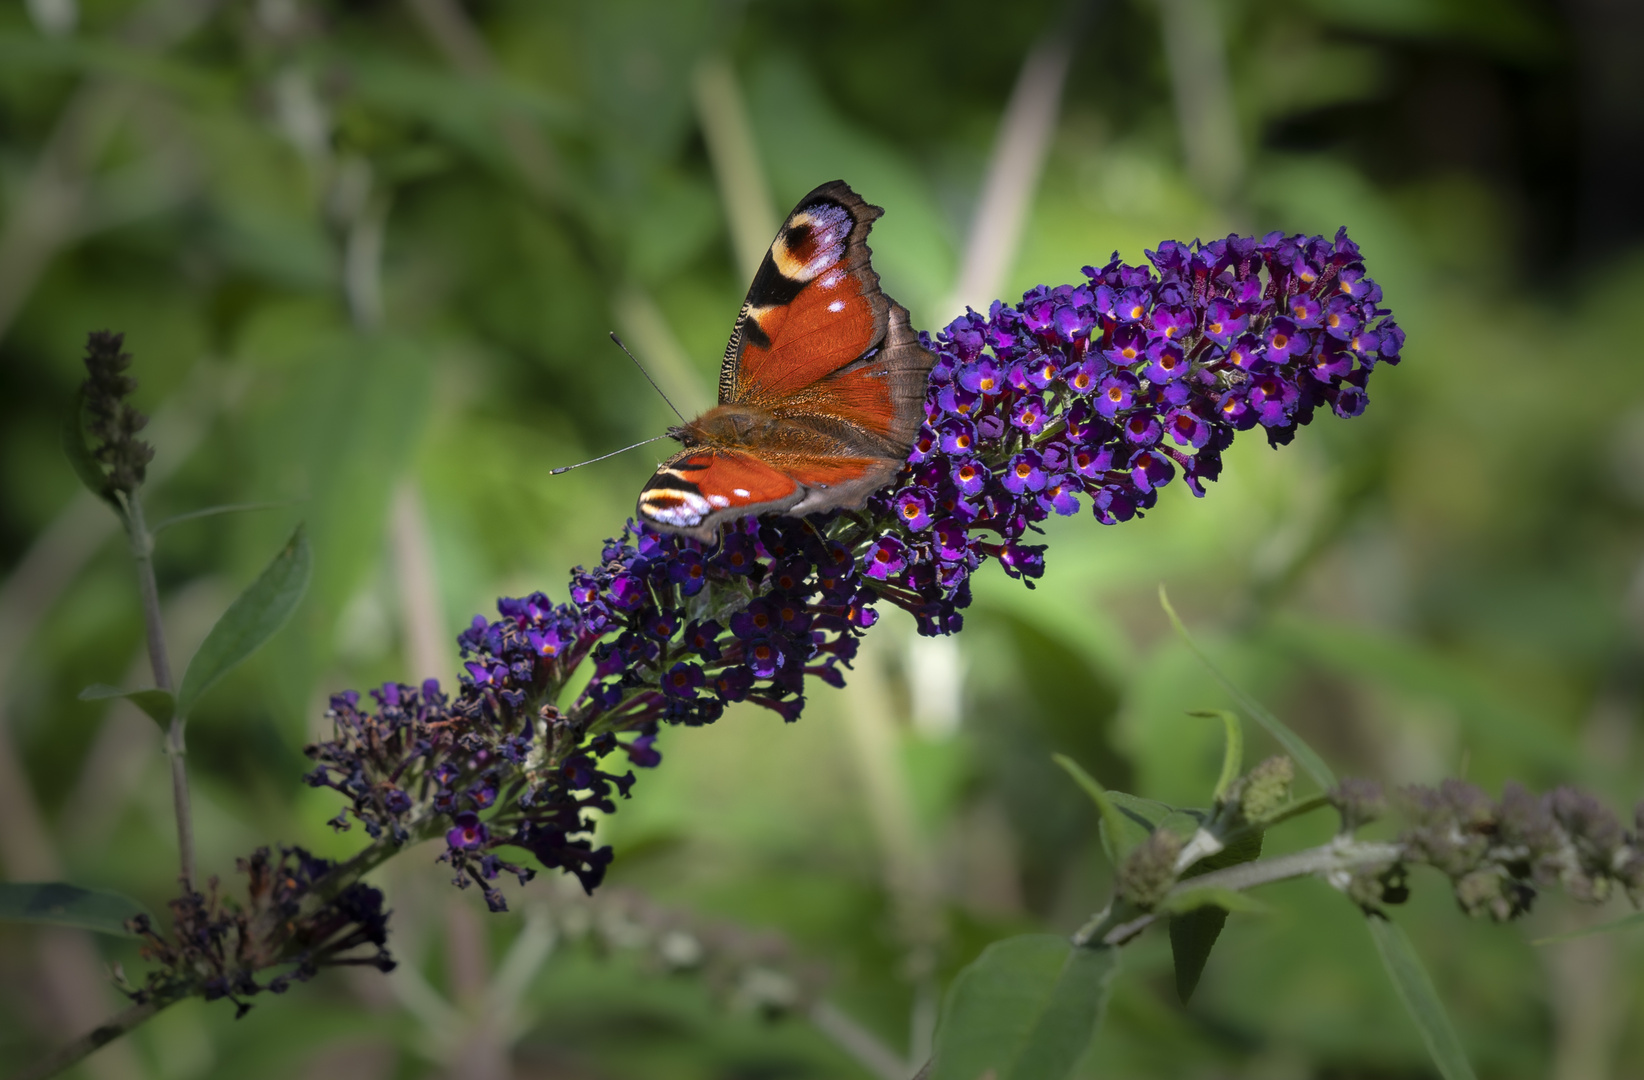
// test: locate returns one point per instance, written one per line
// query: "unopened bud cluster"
(111, 421)
(1499, 853)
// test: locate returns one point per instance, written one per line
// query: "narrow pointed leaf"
(1026, 1009)
(79, 455)
(159, 704)
(1421, 1000)
(1193, 934)
(250, 620)
(1292, 743)
(1626, 922)
(1233, 751)
(57, 904)
(1120, 832)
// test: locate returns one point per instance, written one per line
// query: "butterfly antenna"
(602, 457)
(648, 378)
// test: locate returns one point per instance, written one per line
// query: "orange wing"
(816, 337)
(692, 492)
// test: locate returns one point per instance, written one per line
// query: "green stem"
(1120, 921)
(142, 554)
(72, 1053)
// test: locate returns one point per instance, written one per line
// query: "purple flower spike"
(1102, 389)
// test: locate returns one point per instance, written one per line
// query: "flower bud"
(1359, 802)
(1266, 787)
(1149, 870)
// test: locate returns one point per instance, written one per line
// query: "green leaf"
(1292, 743)
(1416, 990)
(1226, 900)
(1194, 933)
(1026, 1009)
(68, 905)
(79, 455)
(250, 620)
(1232, 755)
(1119, 831)
(1626, 922)
(159, 704)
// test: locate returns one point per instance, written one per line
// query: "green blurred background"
(366, 254)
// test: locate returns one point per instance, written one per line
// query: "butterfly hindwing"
(694, 491)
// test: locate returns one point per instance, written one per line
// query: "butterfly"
(821, 391)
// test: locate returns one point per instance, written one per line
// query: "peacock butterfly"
(821, 391)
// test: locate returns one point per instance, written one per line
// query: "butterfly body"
(821, 391)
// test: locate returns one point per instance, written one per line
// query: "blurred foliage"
(1451, 585)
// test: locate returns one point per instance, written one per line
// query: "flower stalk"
(142, 555)
(120, 466)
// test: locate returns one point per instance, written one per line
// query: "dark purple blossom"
(1097, 392)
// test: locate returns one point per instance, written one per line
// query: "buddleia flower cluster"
(1099, 391)
(1103, 391)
